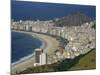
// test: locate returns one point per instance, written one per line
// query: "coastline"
(49, 45)
(32, 54)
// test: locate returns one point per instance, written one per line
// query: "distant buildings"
(81, 39)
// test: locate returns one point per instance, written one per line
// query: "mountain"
(74, 19)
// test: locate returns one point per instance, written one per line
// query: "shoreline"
(49, 45)
(32, 54)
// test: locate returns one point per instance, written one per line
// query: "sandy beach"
(51, 45)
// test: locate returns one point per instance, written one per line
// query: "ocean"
(23, 45)
(22, 10)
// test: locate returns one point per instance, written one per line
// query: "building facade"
(37, 56)
(43, 58)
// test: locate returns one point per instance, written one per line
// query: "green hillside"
(86, 62)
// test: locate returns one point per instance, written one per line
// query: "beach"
(50, 45)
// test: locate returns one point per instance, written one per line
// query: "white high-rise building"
(37, 56)
(40, 57)
(43, 58)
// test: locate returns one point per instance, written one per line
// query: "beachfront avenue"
(73, 40)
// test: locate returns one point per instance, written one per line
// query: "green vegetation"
(94, 26)
(86, 61)
(74, 19)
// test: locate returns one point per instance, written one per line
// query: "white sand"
(52, 45)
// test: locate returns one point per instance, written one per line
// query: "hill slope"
(74, 19)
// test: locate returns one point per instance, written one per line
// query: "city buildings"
(37, 57)
(43, 58)
(40, 57)
(81, 39)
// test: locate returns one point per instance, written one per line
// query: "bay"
(23, 45)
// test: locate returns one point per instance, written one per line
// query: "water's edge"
(44, 44)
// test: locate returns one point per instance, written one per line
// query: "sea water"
(23, 45)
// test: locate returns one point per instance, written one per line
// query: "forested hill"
(74, 19)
